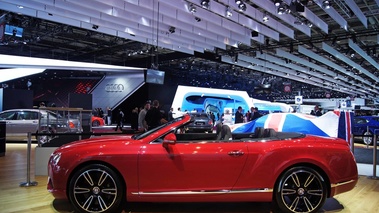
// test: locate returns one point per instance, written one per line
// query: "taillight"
(71, 125)
(210, 122)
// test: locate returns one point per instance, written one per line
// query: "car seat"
(267, 133)
(258, 132)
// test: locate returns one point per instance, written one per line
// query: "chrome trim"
(342, 183)
(202, 192)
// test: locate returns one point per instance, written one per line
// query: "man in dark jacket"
(153, 116)
(239, 116)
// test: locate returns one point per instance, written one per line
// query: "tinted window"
(27, 115)
(7, 116)
(360, 121)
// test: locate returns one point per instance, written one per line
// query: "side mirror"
(169, 139)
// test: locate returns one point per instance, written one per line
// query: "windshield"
(142, 135)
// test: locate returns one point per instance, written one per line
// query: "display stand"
(28, 182)
(376, 132)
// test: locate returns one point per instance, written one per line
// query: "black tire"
(96, 188)
(95, 123)
(300, 189)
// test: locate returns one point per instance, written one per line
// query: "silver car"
(21, 121)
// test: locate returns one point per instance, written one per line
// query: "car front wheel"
(367, 140)
(300, 189)
(96, 188)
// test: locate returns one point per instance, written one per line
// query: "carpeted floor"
(364, 155)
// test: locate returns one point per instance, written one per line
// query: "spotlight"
(310, 24)
(326, 4)
(228, 12)
(277, 2)
(171, 29)
(95, 27)
(204, 3)
(192, 8)
(281, 9)
(242, 7)
(238, 2)
(265, 17)
(198, 19)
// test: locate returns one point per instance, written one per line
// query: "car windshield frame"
(149, 132)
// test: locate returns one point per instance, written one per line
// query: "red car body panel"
(223, 171)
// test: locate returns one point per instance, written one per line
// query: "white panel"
(236, 28)
(14, 8)
(355, 8)
(114, 3)
(77, 8)
(59, 19)
(29, 4)
(220, 30)
(251, 24)
(65, 13)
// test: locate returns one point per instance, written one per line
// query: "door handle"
(236, 153)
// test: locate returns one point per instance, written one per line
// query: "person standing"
(120, 120)
(170, 116)
(142, 125)
(134, 119)
(317, 111)
(239, 115)
(255, 113)
(109, 116)
(153, 116)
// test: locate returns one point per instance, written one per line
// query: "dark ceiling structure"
(330, 45)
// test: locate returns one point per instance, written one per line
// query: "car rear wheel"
(96, 188)
(300, 189)
(367, 140)
(95, 123)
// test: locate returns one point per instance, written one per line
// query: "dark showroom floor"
(13, 198)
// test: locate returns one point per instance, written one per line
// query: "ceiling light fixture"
(204, 4)
(95, 27)
(192, 8)
(228, 12)
(281, 9)
(265, 17)
(277, 2)
(242, 7)
(326, 4)
(171, 29)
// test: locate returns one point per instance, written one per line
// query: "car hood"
(99, 141)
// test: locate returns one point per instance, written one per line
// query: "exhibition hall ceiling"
(328, 44)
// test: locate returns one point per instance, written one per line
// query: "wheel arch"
(310, 165)
(80, 166)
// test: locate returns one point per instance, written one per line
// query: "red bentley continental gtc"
(295, 171)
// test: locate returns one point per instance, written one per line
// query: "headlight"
(55, 158)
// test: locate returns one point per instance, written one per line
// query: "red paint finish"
(155, 167)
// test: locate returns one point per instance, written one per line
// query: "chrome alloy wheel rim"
(302, 191)
(95, 190)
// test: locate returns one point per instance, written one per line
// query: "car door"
(26, 121)
(9, 117)
(187, 168)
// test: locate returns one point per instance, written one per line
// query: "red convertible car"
(295, 171)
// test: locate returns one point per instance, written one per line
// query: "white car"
(21, 121)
